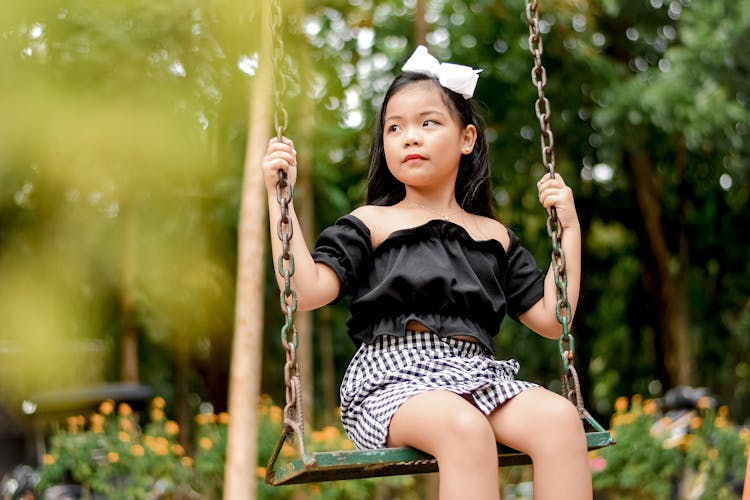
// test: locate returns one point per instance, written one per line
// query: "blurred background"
(123, 130)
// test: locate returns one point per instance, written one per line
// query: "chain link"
(570, 384)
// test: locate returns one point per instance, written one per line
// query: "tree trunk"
(420, 23)
(244, 379)
(182, 387)
(129, 341)
(668, 278)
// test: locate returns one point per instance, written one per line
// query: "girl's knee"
(557, 424)
(468, 429)
(565, 414)
(567, 425)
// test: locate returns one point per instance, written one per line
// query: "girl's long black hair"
(473, 189)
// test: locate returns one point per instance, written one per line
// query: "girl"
(432, 273)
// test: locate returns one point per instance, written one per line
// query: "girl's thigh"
(537, 419)
(435, 419)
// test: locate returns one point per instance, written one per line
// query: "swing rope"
(353, 464)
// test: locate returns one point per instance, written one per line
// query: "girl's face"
(422, 139)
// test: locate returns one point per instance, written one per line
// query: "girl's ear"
(469, 137)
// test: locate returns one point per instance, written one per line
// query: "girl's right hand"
(279, 156)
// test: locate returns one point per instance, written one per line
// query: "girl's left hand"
(554, 192)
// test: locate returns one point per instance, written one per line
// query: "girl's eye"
(427, 123)
(392, 128)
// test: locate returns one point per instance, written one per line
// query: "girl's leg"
(455, 432)
(546, 426)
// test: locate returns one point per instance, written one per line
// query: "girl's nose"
(412, 137)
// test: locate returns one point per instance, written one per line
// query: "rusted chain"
(293, 413)
(571, 387)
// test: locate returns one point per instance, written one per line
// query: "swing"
(353, 464)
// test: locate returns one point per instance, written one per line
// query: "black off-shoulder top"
(435, 273)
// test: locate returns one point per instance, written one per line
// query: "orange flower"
(288, 451)
(158, 445)
(157, 415)
(205, 418)
(621, 404)
(276, 413)
(205, 443)
(314, 489)
(161, 446)
(49, 459)
(650, 407)
(636, 400)
(326, 434)
(137, 450)
(260, 472)
(124, 409)
(73, 424)
(331, 432)
(696, 422)
(178, 450)
(126, 424)
(158, 402)
(187, 461)
(113, 457)
(123, 436)
(172, 427)
(97, 423)
(223, 418)
(703, 403)
(107, 407)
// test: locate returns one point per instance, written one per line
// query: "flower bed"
(689, 454)
(112, 455)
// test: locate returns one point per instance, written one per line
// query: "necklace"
(443, 215)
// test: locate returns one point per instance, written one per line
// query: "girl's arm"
(315, 284)
(542, 316)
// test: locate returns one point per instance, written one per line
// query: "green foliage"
(638, 464)
(695, 454)
(112, 454)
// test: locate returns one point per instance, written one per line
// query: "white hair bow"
(456, 77)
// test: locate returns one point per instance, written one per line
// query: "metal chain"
(554, 227)
(293, 414)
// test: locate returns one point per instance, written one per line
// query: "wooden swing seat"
(356, 464)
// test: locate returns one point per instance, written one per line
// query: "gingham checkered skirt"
(384, 374)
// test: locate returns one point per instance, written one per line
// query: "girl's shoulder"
(382, 221)
(487, 228)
